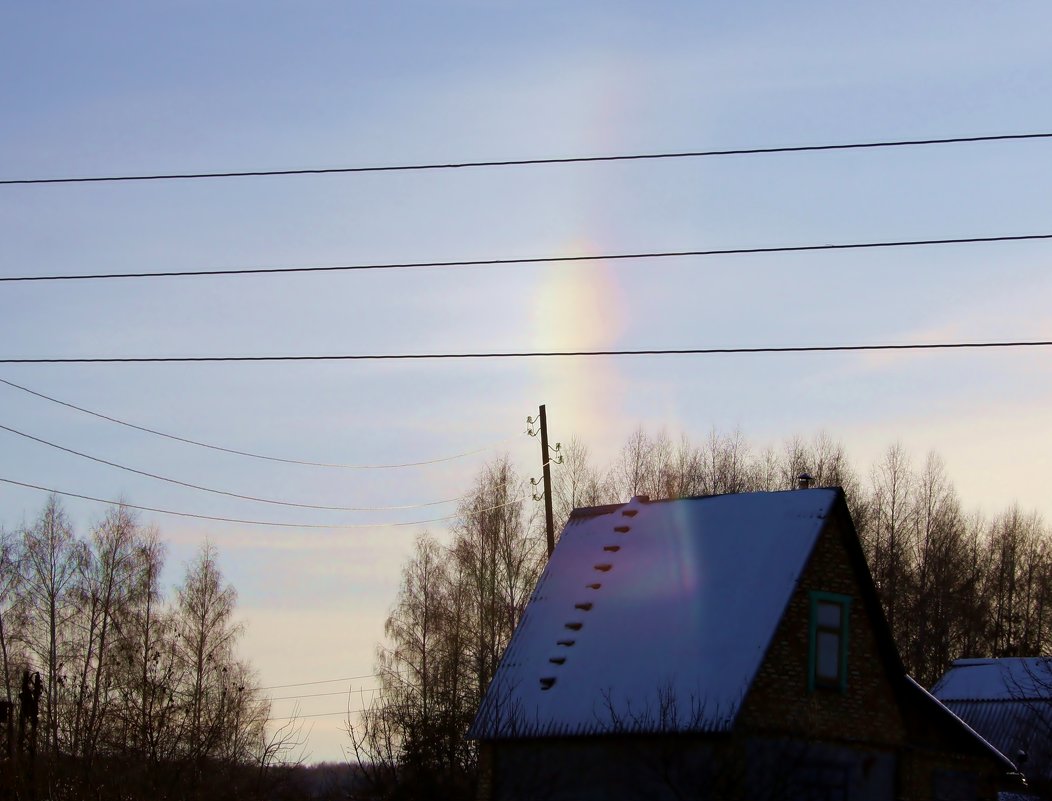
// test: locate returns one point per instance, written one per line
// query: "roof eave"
(934, 703)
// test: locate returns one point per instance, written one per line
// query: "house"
(729, 646)
(1009, 702)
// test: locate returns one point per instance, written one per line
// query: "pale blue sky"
(117, 88)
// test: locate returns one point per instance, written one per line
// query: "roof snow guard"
(653, 617)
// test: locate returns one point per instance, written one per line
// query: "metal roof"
(1011, 727)
(654, 616)
(1008, 702)
(1008, 679)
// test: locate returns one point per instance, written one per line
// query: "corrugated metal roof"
(1008, 702)
(1011, 727)
(653, 616)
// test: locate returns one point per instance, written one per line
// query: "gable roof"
(654, 616)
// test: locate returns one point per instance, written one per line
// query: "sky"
(131, 88)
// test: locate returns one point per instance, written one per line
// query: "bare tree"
(633, 472)
(576, 483)
(205, 636)
(726, 464)
(145, 720)
(498, 556)
(455, 613)
(889, 546)
(12, 619)
(51, 560)
(765, 472)
(280, 746)
(938, 560)
(1017, 583)
(102, 592)
(412, 736)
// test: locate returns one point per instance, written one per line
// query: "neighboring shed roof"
(1008, 702)
(1007, 679)
(654, 616)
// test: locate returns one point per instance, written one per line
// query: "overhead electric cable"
(270, 523)
(323, 681)
(536, 354)
(557, 259)
(526, 162)
(324, 695)
(224, 492)
(249, 454)
(319, 715)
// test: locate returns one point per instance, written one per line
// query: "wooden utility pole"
(546, 461)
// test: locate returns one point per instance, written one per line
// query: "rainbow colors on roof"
(653, 616)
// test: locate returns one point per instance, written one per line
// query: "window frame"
(844, 602)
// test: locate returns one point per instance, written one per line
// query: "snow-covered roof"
(1008, 702)
(1007, 679)
(654, 616)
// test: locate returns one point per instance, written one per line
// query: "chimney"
(804, 480)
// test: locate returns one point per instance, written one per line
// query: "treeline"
(952, 583)
(141, 695)
(457, 607)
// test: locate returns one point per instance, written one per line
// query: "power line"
(537, 354)
(249, 454)
(225, 492)
(319, 715)
(557, 259)
(322, 681)
(325, 695)
(270, 523)
(525, 162)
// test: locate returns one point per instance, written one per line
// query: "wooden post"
(546, 459)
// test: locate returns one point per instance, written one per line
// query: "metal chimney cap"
(804, 480)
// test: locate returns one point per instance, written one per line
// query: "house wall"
(938, 775)
(867, 710)
(609, 768)
(671, 768)
(782, 768)
(682, 768)
(868, 723)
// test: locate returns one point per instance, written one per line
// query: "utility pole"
(546, 461)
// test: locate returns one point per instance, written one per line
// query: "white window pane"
(828, 615)
(827, 655)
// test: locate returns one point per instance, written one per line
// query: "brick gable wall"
(779, 701)
(868, 716)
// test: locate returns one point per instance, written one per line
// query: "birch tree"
(51, 560)
(205, 636)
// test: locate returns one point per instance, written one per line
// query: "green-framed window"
(828, 641)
